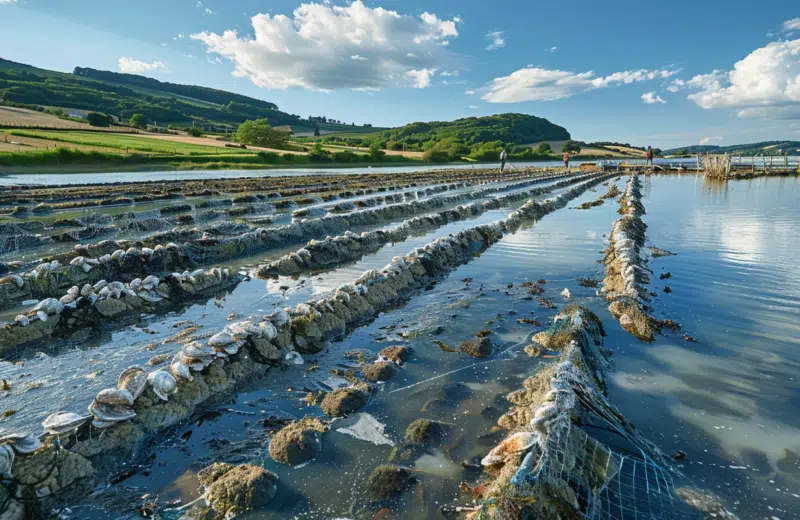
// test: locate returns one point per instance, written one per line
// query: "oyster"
(181, 371)
(22, 443)
(110, 414)
(519, 442)
(63, 422)
(134, 380)
(114, 397)
(6, 460)
(163, 384)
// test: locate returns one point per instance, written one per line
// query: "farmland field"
(124, 142)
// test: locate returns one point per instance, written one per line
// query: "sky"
(665, 74)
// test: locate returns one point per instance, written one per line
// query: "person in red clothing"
(566, 160)
(649, 157)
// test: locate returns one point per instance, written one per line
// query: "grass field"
(627, 151)
(588, 151)
(125, 142)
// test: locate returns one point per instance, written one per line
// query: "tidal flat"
(437, 343)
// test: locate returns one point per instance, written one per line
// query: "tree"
(316, 131)
(259, 133)
(138, 121)
(543, 149)
(571, 146)
(658, 152)
(194, 131)
(376, 151)
(98, 119)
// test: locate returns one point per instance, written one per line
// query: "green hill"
(508, 128)
(762, 148)
(123, 95)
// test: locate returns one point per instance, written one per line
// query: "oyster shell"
(181, 371)
(114, 397)
(111, 414)
(519, 442)
(163, 384)
(62, 422)
(22, 443)
(134, 380)
(6, 460)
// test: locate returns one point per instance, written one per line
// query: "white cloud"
(8, 2)
(791, 25)
(179, 36)
(420, 78)
(537, 84)
(651, 98)
(469, 92)
(132, 66)
(208, 11)
(707, 140)
(765, 84)
(473, 107)
(450, 73)
(358, 58)
(497, 40)
(553, 49)
(313, 47)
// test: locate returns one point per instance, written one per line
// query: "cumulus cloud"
(8, 2)
(791, 25)
(179, 36)
(537, 84)
(497, 40)
(707, 140)
(553, 49)
(208, 11)
(420, 78)
(469, 92)
(132, 66)
(765, 84)
(651, 98)
(313, 47)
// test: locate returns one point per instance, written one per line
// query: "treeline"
(25, 85)
(220, 97)
(508, 128)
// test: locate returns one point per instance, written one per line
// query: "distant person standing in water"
(503, 159)
(566, 160)
(649, 157)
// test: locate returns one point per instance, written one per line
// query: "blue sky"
(667, 73)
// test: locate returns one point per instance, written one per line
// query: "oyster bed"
(305, 330)
(181, 392)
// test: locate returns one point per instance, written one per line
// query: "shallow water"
(728, 401)
(57, 179)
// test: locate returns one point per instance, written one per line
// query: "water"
(729, 401)
(60, 179)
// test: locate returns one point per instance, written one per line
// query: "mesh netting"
(586, 459)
